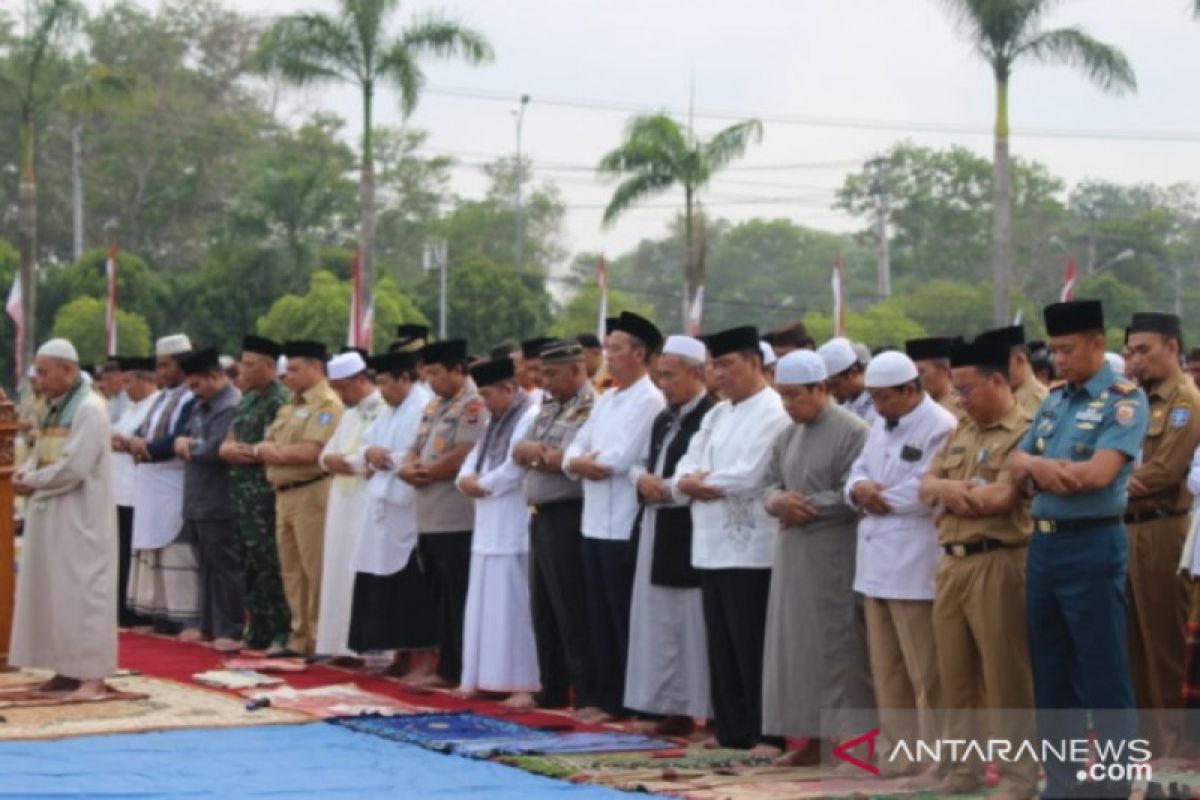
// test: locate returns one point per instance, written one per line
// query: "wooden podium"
(8, 433)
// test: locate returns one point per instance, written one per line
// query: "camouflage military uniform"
(254, 507)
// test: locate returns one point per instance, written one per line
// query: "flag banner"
(696, 314)
(366, 329)
(1068, 291)
(13, 307)
(110, 314)
(839, 307)
(602, 282)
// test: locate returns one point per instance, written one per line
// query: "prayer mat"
(601, 742)
(267, 664)
(28, 696)
(235, 679)
(695, 759)
(339, 700)
(444, 731)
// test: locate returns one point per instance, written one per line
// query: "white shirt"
(863, 406)
(122, 463)
(898, 552)
(617, 430)
(733, 445)
(501, 518)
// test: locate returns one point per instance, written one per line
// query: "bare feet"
(59, 683)
(520, 700)
(432, 681)
(190, 635)
(88, 690)
(589, 714)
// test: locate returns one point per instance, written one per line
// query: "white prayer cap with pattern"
(345, 365)
(800, 368)
(172, 345)
(59, 348)
(685, 346)
(889, 369)
(768, 353)
(838, 354)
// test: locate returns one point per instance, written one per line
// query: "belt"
(1134, 517)
(975, 548)
(287, 487)
(1061, 525)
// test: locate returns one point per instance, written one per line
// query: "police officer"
(290, 452)
(452, 423)
(1157, 519)
(1076, 460)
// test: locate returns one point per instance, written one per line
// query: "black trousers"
(222, 583)
(447, 558)
(558, 601)
(608, 571)
(126, 616)
(735, 619)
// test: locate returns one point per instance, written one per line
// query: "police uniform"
(1076, 570)
(979, 601)
(301, 495)
(1158, 525)
(445, 516)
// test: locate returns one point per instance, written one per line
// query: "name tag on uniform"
(1089, 415)
(301, 413)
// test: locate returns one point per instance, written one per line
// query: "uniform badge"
(1180, 416)
(1126, 413)
(982, 457)
(324, 418)
(1040, 444)
(471, 413)
(1086, 426)
(439, 445)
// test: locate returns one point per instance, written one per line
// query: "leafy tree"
(83, 322)
(352, 46)
(140, 289)
(1004, 32)
(657, 154)
(418, 189)
(881, 324)
(1121, 301)
(581, 314)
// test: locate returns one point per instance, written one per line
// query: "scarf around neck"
(499, 433)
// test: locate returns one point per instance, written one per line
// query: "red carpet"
(160, 657)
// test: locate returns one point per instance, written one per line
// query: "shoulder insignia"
(1180, 416)
(472, 411)
(1126, 413)
(324, 418)
(1124, 387)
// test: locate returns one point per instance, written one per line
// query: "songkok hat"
(262, 346)
(1076, 316)
(412, 331)
(346, 365)
(610, 325)
(1011, 336)
(800, 368)
(200, 361)
(889, 369)
(589, 340)
(172, 345)
(642, 328)
(532, 348)
(684, 346)
(932, 348)
(769, 338)
(450, 352)
(768, 352)
(733, 340)
(486, 373)
(305, 349)
(502, 351)
(838, 354)
(1156, 322)
(1115, 361)
(562, 351)
(392, 363)
(59, 348)
(983, 352)
(136, 364)
(362, 351)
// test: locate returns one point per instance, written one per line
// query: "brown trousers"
(300, 534)
(1158, 607)
(983, 661)
(904, 670)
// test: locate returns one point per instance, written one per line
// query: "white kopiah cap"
(768, 353)
(172, 345)
(345, 365)
(838, 354)
(59, 348)
(889, 369)
(685, 346)
(799, 368)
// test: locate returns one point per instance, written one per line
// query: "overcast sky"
(794, 64)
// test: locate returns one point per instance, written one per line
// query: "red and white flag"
(366, 326)
(110, 314)
(13, 307)
(602, 282)
(696, 313)
(1068, 291)
(839, 303)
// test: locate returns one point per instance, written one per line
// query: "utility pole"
(883, 257)
(520, 241)
(433, 257)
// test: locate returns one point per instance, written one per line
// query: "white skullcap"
(863, 352)
(1116, 361)
(59, 348)
(345, 365)
(281, 366)
(838, 354)
(768, 353)
(799, 368)
(889, 369)
(172, 345)
(225, 361)
(685, 346)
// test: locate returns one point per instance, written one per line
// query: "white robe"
(124, 468)
(343, 519)
(499, 653)
(158, 487)
(66, 601)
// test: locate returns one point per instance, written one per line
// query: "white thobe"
(617, 431)
(499, 653)
(733, 445)
(66, 601)
(898, 552)
(158, 486)
(343, 521)
(863, 406)
(123, 466)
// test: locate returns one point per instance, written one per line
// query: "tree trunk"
(689, 247)
(366, 198)
(27, 242)
(77, 191)
(1002, 210)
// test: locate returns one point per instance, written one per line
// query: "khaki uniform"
(979, 607)
(951, 403)
(1030, 395)
(301, 493)
(1157, 524)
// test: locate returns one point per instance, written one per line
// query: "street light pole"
(520, 239)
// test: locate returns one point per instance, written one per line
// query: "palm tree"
(1004, 32)
(352, 46)
(48, 24)
(658, 154)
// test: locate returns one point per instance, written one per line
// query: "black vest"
(671, 564)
